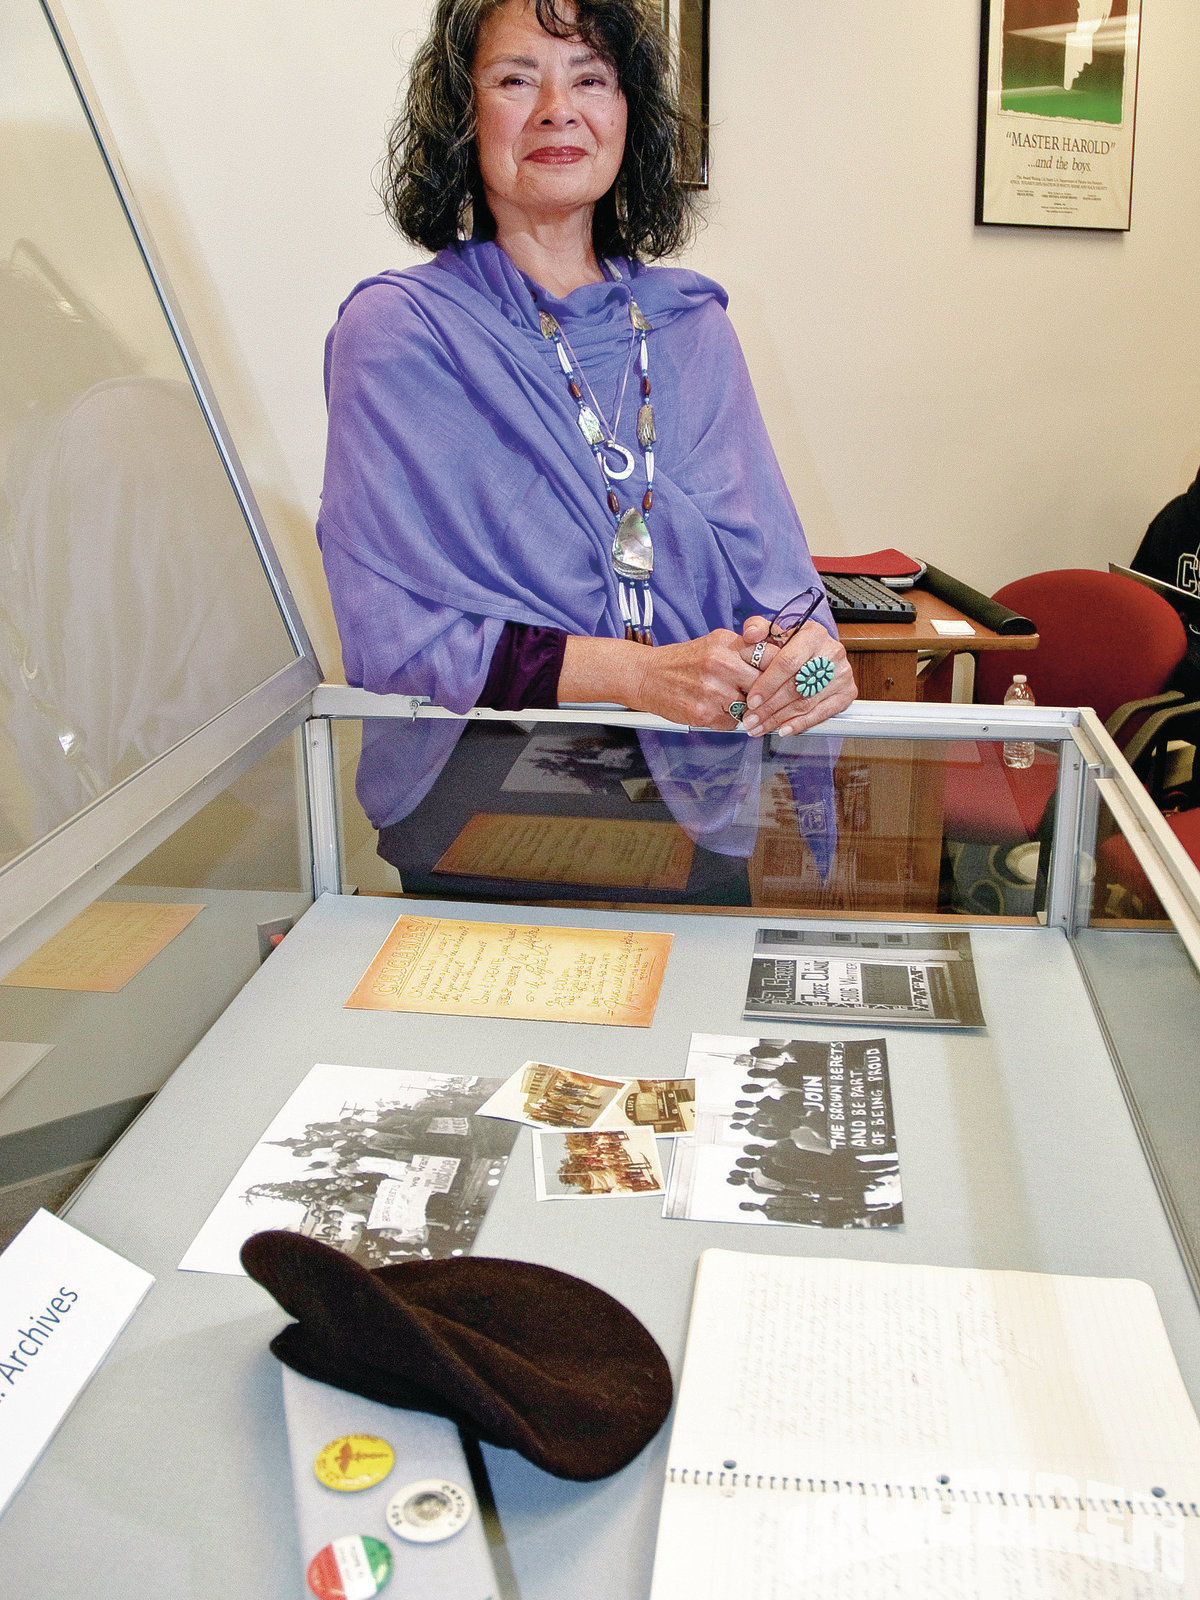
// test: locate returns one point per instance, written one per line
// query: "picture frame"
(686, 24)
(1057, 111)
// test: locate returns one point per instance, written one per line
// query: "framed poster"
(1057, 98)
(685, 23)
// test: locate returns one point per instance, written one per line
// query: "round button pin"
(353, 1462)
(353, 1568)
(428, 1510)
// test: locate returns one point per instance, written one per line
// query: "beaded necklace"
(632, 550)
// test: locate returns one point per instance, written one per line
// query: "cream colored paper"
(104, 947)
(504, 969)
(854, 1427)
(850, 1369)
(584, 850)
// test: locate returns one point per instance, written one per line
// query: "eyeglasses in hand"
(793, 614)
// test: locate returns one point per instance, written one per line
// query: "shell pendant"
(611, 448)
(632, 551)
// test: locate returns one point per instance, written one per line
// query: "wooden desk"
(884, 655)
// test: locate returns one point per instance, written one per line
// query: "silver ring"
(756, 655)
(816, 674)
(737, 709)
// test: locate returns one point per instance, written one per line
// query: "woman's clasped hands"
(722, 679)
(775, 703)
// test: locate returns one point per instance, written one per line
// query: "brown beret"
(523, 1356)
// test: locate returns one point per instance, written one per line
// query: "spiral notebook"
(852, 1429)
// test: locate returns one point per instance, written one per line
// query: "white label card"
(64, 1299)
(951, 628)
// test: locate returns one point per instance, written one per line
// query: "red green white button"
(353, 1568)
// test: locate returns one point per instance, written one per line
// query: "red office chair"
(1105, 642)
(1117, 869)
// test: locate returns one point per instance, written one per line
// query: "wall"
(995, 400)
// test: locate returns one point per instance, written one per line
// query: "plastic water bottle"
(1018, 752)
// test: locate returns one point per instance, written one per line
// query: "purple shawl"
(460, 495)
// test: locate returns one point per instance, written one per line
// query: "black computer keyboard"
(866, 600)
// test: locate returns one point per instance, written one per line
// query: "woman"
(545, 455)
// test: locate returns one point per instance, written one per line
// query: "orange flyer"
(586, 850)
(104, 947)
(507, 969)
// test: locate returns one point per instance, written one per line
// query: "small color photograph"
(667, 1106)
(542, 1096)
(596, 1166)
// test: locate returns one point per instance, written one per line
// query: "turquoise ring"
(816, 674)
(737, 710)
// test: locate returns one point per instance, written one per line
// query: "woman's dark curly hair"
(431, 185)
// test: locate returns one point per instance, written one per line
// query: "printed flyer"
(796, 1131)
(919, 977)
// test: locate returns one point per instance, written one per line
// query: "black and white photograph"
(920, 977)
(578, 761)
(385, 1166)
(795, 1131)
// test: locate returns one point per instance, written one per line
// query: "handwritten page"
(857, 1370)
(503, 969)
(104, 947)
(718, 1544)
(854, 1428)
(582, 850)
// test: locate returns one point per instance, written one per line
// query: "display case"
(1059, 1137)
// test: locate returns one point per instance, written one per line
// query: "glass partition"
(134, 604)
(895, 814)
(551, 809)
(1138, 960)
(95, 1021)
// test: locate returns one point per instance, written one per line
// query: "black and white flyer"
(795, 1131)
(386, 1166)
(920, 976)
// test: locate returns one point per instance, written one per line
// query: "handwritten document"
(504, 969)
(860, 1428)
(582, 850)
(104, 947)
(725, 1545)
